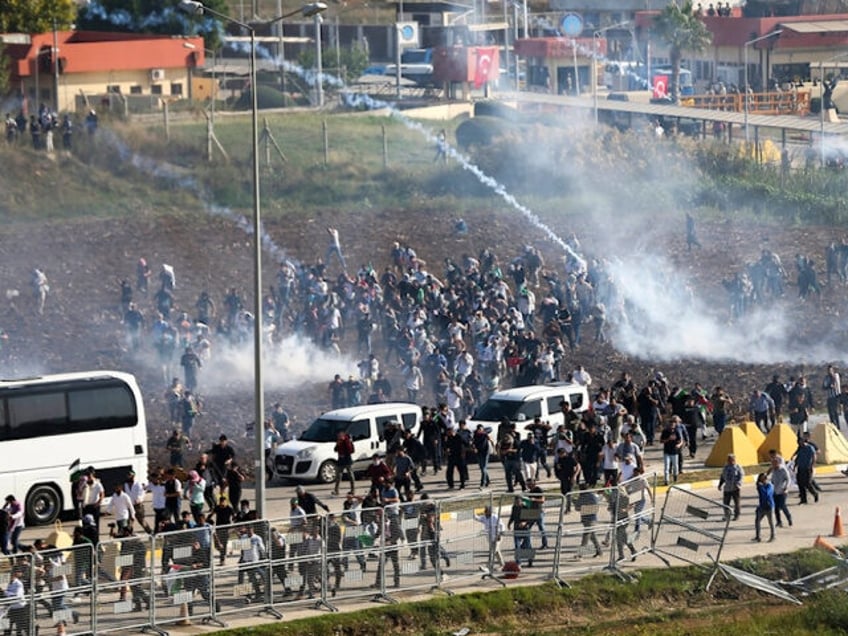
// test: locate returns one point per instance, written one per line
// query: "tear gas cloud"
(288, 363)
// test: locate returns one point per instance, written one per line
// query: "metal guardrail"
(207, 574)
(784, 103)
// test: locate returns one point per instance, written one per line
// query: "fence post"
(385, 148)
(326, 143)
(558, 549)
(167, 121)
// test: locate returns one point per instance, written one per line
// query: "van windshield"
(324, 430)
(496, 410)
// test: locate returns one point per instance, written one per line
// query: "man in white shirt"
(253, 554)
(494, 528)
(121, 507)
(335, 248)
(17, 611)
(136, 492)
(581, 376)
(94, 494)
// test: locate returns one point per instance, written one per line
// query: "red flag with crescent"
(485, 55)
(660, 86)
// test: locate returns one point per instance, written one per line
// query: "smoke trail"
(288, 363)
(169, 15)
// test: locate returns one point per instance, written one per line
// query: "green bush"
(480, 131)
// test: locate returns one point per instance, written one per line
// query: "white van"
(312, 457)
(521, 405)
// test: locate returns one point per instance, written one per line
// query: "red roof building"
(129, 66)
(801, 43)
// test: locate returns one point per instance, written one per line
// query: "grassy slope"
(661, 602)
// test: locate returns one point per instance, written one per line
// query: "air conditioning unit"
(157, 74)
(408, 33)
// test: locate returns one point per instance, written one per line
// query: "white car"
(312, 457)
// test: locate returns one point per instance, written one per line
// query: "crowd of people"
(449, 339)
(43, 126)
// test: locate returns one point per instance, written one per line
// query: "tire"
(43, 505)
(327, 472)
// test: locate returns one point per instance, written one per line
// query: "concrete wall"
(73, 84)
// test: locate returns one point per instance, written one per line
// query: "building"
(793, 53)
(74, 70)
(561, 65)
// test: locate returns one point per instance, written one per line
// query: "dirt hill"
(85, 258)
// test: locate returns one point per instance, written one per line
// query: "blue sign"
(571, 25)
(407, 32)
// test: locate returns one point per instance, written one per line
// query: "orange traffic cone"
(837, 524)
(824, 545)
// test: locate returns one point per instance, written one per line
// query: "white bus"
(53, 426)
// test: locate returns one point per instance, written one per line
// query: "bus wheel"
(43, 505)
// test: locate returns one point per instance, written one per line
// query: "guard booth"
(561, 66)
(461, 68)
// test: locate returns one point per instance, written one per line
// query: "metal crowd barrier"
(461, 543)
(691, 528)
(205, 574)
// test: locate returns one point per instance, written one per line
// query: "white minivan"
(312, 457)
(522, 404)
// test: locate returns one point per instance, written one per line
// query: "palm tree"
(682, 31)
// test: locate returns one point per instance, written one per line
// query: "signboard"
(571, 25)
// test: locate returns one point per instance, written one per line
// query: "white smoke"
(287, 365)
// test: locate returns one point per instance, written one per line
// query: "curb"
(823, 469)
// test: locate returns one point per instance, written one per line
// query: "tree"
(35, 16)
(352, 61)
(682, 30)
(163, 17)
(4, 72)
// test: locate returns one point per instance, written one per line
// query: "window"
(108, 407)
(591, 20)
(553, 404)
(358, 430)
(382, 421)
(57, 412)
(530, 410)
(113, 88)
(576, 400)
(37, 415)
(409, 420)
(135, 90)
(156, 89)
(176, 89)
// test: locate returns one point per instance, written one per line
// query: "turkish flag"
(485, 55)
(660, 86)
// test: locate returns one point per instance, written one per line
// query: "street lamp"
(745, 87)
(821, 101)
(319, 83)
(310, 10)
(596, 39)
(198, 8)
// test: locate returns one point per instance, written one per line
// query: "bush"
(480, 131)
(267, 97)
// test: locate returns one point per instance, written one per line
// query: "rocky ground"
(84, 260)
